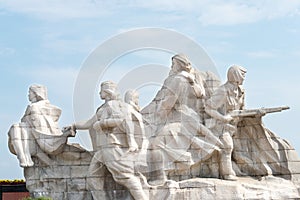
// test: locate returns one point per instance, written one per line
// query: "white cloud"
(56, 9)
(218, 12)
(261, 54)
(228, 14)
(59, 42)
(59, 80)
(240, 12)
(51, 73)
(214, 12)
(170, 5)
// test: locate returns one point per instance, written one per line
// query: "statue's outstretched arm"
(84, 125)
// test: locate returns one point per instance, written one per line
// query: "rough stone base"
(69, 182)
(244, 188)
(215, 189)
(66, 178)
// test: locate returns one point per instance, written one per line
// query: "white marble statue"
(179, 138)
(38, 133)
(116, 145)
(194, 133)
(225, 99)
(260, 152)
(132, 98)
(249, 148)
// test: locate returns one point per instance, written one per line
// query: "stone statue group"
(194, 127)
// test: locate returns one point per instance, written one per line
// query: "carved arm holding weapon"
(256, 112)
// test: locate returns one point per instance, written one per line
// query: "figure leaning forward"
(116, 147)
(228, 97)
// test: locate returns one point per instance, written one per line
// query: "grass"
(39, 198)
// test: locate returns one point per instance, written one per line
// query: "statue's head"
(109, 90)
(37, 93)
(180, 62)
(236, 74)
(132, 97)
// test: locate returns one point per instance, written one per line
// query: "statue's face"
(176, 65)
(31, 96)
(103, 94)
(242, 77)
(135, 98)
(106, 93)
(179, 66)
(236, 75)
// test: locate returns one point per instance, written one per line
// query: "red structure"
(13, 191)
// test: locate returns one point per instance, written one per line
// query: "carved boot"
(226, 170)
(157, 174)
(157, 177)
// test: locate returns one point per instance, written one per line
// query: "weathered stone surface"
(244, 188)
(195, 140)
(67, 177)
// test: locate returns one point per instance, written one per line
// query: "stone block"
(76, 185)
(57, 185)
(79, 171)
(79, 196)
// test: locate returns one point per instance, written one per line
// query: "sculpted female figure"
(38, 133)
(132, 98)
(116, 148)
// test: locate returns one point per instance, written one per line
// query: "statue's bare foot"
(158, 182)
(23, 164)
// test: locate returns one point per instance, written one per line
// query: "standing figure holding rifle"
(227, 98)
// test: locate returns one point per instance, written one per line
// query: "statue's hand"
(133, 148)
(66, 128)
(69, 131)
(97, 125)
(227, 118)
(261, 113)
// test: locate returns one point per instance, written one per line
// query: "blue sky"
(46, 42)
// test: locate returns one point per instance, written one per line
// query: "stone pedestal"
(244, 188)
(66, 178)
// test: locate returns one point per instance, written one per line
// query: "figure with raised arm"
(116, 145)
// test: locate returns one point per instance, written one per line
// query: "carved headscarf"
(40, 91)
(184, 64)
(182, 58)
(129, 98)
(235, 74)
(110, 88)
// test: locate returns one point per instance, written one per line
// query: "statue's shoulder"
(175, 81)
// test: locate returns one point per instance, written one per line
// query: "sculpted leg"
(26, 139)
(16, 141)
(133, 183)
(96, 173)
(226, 170)
(123, 173)
(157, 174)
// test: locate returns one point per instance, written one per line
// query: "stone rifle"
(257, 112)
